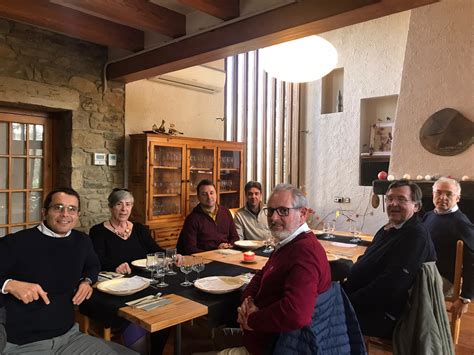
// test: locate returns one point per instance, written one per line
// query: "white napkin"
(217, 284)
(228, 251)
(127, 284)
(343, 245)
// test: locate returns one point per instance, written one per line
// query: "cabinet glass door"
(166, 179)
(201, 166)
(229, 178)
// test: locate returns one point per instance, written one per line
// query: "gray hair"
(118, 195)
(299, 199)
(450, 181)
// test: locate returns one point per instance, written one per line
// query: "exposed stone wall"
(45, 71)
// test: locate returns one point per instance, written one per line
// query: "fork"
(146, 301)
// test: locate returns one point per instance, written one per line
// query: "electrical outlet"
(338, 199)
(346, 200)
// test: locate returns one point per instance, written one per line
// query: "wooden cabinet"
(165, 171)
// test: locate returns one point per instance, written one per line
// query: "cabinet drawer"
(166, 237)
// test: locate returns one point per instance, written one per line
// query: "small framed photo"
(381, 137)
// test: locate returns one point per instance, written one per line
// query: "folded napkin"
(343, 245)
(158, 303)
(228, 251)
(216, 283)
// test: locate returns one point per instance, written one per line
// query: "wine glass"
(171, 257)
(268, 244)
(327, 226)
(151, 266)
(355, 233)
(198, 266)
(186, 267)
(161, 264)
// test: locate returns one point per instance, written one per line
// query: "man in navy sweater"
(447, 224)
(44, 272)
(379, 281)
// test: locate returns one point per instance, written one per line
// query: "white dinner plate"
(139, 263)
(249, 244)
(123, 286)
(219, 284)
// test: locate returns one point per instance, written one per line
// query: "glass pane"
(3, 232)
(3, 173)
(166, 205)
(35, 135)
(36, 173)
(3, 138)
(3, 208)
(18, 207)
(168, 156)
(166, 181)
(35, 206)
(201, 158)
(18, 138)
(18, 173)
(193, 202)
(16, 229)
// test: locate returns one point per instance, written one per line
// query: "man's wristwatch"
(465, 300)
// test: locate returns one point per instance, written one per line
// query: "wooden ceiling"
(124, 24)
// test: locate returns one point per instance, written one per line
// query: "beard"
(280, 234)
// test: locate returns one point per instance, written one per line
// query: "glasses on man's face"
(398, 199)
(281, 211)
(59, 208)
(448, 194)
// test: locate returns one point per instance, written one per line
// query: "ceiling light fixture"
(301, 60)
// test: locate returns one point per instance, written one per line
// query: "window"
(24, 170)
(263, 113)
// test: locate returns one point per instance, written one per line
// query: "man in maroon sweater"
(281, 297)
(208, 226)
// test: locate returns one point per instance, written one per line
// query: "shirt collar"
(48, 232)
(213, 215)
(303, 228)
(451, 210)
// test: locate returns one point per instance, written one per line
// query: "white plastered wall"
(372, 56)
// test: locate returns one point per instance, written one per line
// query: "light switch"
(112, 159)
(99, 159)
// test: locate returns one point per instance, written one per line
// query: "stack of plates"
(219, 284)
(123, 286)
(248, 244)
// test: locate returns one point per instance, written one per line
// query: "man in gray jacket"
(250, 221)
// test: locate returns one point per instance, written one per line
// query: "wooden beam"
(72, 23)
(302, 18)
(136, 13)
(223, 9)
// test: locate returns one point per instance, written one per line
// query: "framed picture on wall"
(381, 137)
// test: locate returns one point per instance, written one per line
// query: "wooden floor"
(466, 338)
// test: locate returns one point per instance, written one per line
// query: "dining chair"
(92, 328)
(455, 321)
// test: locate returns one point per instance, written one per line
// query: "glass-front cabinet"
(164, 174)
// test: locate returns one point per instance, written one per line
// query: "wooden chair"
(92, 328)
(455, 322)
(373, 344)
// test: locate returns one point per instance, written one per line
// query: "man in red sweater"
(281, 297)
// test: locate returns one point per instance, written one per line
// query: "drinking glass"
(171, 257)
(198, 265)
(151, 266)
(186, 267)
(268, 244)
(355, 233)
(161, 264)
(327, 230)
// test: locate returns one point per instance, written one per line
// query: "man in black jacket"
(447, 224)
(379, 281)
(44, 272)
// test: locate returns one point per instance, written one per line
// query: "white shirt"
(451, 210)
(303, 228)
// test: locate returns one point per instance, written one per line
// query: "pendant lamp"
(301, 60)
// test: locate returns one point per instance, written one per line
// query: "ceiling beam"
(223, 9)
(72, 23)
(136, 13)
(301, 19)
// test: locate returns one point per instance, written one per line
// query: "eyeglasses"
(449, 194)
(59, 208)
(399, 200)
(281, 211)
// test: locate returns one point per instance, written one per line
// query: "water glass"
(186, 267)
(161, 264)
(268, 244)
(171, 256)
(198, 265)
(328, 227)
(151, 266)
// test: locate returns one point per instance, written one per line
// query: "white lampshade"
(302, 60)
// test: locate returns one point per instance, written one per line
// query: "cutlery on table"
(144, 300)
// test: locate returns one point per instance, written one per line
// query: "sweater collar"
(43, 228)
(451, 210)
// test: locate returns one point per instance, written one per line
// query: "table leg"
(177, 340)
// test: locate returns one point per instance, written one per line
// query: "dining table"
(187, 303)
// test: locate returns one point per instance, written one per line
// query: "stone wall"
(49, 72)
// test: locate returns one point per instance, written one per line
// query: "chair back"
(455, 321)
